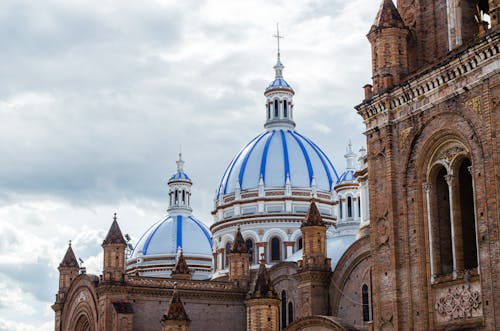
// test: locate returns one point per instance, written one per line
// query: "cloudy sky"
(97, 96)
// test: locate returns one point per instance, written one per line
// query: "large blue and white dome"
(275, 157)
(180, 231)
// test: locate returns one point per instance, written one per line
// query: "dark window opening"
(276, 108)
(290, 312)
(340, 209)
(249, 243)
(299, 243)
(359, 207)
(467, 216)
(275, 249)
(283, 309)
(285, 109)
(349, 207)
(443, 219)
(228, 249)
(366, 303)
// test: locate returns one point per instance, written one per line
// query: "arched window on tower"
(276, 109)
(469, 243)
(290, 312)
(285, 109)
(250, 249)
(441, 216)
(283, 310)
(275, 249)
(366, 303)
(349, 207)
(226, 252)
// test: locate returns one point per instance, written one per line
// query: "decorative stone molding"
(474, 104)
(447, 156)
(403, 138)
(459, 302)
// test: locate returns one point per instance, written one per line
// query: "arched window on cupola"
(341, 211)
(176, 197)
(299, 244)
(276, 109)
(349, 207)
(250, 249)
(359, 207)
(268, 111)
(275, 249)
(183, 196)
(226, 252)
(285, 109)
(283, 310)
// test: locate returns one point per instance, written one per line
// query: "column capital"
(449, 179)
(427, 186)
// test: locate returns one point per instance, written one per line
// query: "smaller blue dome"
(347, 175)
(180, 175)
(278, 82)
(166, 236)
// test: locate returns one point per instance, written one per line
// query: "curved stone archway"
(320, 323)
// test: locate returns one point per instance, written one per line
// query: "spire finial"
(69, 243)
(114, 217)
(278, 37)
(180, 163)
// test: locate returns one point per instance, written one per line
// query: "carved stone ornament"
(458, 303)
(403, 138)
(448, 155)
(382, 231)
(474, 104)
(82, 296)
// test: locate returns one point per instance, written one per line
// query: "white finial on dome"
(180, 163)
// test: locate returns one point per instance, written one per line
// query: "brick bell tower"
(389, 39)
(114, 254)
(238, 261)
(262, 303)
(314, 269)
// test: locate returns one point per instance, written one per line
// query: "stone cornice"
(426, 88)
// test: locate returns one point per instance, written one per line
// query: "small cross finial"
(278, 37)
(114, 217)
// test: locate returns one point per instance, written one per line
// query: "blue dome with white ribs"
(166, 236)
(347, 176)
(276, 156)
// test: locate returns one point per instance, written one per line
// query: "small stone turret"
(176, 318)
(68, 271)
(314, 270)
(239, 261)
(181, 269)
(114, 254)
(389, 39)
(262, 303)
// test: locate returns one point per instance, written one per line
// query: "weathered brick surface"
(405, 126)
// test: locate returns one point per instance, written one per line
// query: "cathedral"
(405, 237)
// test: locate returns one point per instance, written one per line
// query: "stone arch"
(275, 233)
(80, 306)
(314, 323)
